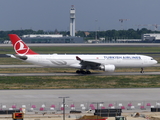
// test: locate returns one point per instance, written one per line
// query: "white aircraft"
(83, 63)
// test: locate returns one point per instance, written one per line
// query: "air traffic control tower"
(72, 21)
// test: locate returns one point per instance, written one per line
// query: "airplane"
(84, 63)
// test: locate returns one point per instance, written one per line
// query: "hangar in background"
(151, 37)
(51, 38)
(146, 38)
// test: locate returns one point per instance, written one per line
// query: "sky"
(91, 15)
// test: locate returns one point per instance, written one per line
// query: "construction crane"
(122, 20)
(155, 26)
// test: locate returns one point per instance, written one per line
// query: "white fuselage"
(65, 61)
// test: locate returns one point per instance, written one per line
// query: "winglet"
(78, 58)
(19, 46)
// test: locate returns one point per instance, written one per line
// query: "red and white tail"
(19, 46)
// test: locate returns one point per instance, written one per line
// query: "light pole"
(63, 106)
(97, 106)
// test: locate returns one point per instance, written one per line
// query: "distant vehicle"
(83, 63)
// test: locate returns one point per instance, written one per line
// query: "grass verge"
(88, 49)
(79, 82)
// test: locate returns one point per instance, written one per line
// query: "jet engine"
(107, 68)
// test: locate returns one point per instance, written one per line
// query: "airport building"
(151, 37)
(51, 38)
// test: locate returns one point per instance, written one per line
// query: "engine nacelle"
(107, 68)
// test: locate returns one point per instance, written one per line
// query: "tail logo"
(20, 47)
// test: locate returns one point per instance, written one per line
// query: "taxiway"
(75, 74)
(87, 44)
(70, 73)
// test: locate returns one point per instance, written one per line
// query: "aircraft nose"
(156, 61)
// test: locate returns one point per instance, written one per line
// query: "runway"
(79, 96)
(70, 73)
(87, 44)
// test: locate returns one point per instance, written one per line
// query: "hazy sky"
(90, 14)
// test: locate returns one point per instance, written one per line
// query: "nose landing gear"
(142, 71)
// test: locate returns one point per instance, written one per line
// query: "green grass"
(74, 82)
(87, 49)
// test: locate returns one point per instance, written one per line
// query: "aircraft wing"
(85, 64)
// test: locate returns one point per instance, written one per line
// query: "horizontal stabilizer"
(17, 56)
(10, 55)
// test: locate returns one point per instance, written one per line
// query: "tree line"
(108, 34)
(116, 34)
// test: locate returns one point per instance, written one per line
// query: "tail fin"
(19, 46)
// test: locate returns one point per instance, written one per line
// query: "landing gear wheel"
(142, 71)
(83, 72)
(88, 72)
(78, 71)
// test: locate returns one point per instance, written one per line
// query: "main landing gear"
(142, 71)
(83, 72)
